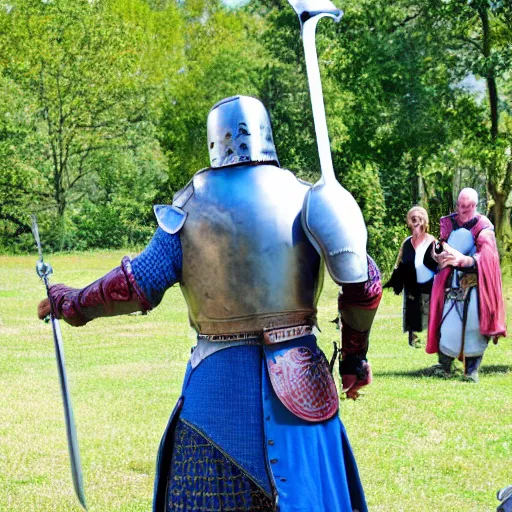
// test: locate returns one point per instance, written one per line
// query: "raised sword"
(331, 217)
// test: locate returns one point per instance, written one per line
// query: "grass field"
(422, 443)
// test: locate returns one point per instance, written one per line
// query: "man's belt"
(267, 336)
(229, 337)
(272, 336)
(467, 281)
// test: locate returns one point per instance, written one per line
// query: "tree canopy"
(103, 108)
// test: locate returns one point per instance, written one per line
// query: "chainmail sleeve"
(158, 267)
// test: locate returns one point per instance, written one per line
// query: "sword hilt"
(307, 9)
(43, 269)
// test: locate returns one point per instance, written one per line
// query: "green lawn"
(422, 444)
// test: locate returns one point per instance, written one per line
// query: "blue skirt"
(231, 445)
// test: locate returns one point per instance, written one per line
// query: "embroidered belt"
(454, 294)
(271, 336)
(468, 281)
(229, 337)
(300, 376)
(267, 336)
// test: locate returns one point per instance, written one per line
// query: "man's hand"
(452, 257)
(352, 384)
(43, 309)
(65, 305)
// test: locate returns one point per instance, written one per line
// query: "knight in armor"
(466, 308)
(256, 426)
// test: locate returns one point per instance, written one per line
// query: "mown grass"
(422, 444)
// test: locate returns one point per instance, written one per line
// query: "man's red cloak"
(490, 295)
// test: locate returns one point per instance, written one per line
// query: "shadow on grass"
(496, 368)
(427, 372)
(413, 373)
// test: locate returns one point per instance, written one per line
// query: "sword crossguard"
(306, 15)
(43, 269)
(307, 9)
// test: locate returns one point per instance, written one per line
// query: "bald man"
(466, 308)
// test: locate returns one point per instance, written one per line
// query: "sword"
(44, 270)
(310, 12)
(332, 219)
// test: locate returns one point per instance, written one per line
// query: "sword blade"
(74, 453)
(317, 99)
(35, 232)
(43, 271)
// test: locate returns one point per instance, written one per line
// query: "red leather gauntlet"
(357, 305)
(116, 293)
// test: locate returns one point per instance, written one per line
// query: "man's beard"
(467, 216)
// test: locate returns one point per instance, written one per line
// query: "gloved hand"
(355, 374)
(66, 305)
(43, 309)
(116, 293)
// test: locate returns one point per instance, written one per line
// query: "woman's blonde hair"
(420, 212)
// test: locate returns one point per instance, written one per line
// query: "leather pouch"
(302, 381)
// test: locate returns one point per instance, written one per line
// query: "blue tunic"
(231, 436)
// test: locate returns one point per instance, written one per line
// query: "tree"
(221, 58)
(383, 118)
(83, 66)
(477, 35)
(20, 184)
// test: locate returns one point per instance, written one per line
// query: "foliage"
(477, 35)
(84, 68)
(103, 107)
(220, 60)
(364, 183)
(118, 212)
(19, 181)
(284, 91)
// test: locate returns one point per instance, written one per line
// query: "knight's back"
(247, 263)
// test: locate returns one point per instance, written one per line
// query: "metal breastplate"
(247, 263)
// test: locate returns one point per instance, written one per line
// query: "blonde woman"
(412, 276)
